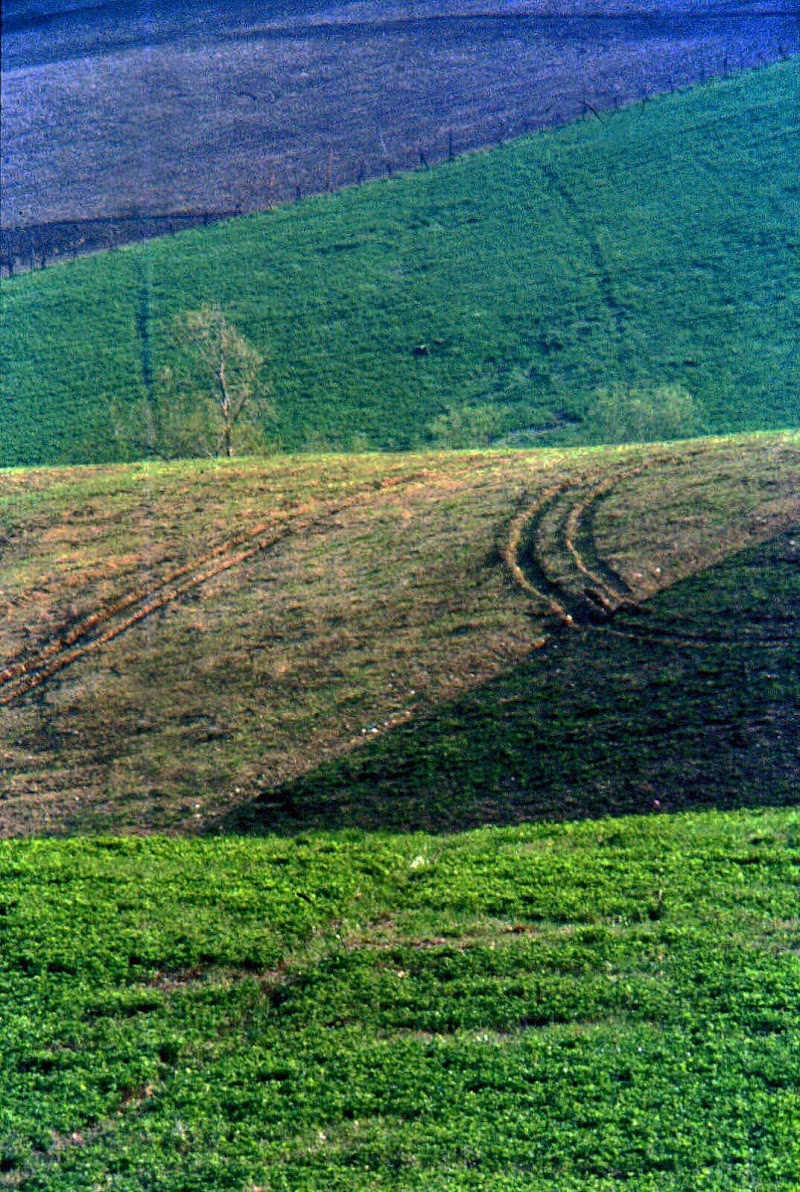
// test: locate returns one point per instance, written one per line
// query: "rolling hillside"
(193, 110)
(421, 816)
(347, 657)
(186, 643)
(490, 300)
(608, 1005)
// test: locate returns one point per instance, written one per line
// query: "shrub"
(644, 414)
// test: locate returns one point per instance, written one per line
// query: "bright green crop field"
(607, 1005)
(488, 301)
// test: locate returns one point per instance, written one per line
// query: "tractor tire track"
(92, 633)
(552, 554)
(580, 542)
(677, 638)
(35, 672)
(609, 590)
(83, 628)
(523, 528)
(552, 550)
(747, 633)
(543, 552)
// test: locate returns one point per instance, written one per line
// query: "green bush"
(637, 414)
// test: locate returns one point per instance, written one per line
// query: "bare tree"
(226, 369)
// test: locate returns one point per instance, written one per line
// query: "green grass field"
(486, 301)
(596, 1006)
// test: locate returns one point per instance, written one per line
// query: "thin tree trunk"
(227, 411)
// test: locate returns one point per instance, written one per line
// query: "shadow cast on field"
(694, 704)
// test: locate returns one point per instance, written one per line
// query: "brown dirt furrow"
(75, 642)
(511, 553)
(575, 523)
(71, 634)
(527, 530)
(579, 530)
(37, 674)
(571, 599)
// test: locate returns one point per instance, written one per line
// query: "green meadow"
(495, 300)
(595, 1006)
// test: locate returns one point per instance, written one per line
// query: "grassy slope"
(611, 1004)
(584, 1007)
(385, 600)
(655, 247)
(611, 724)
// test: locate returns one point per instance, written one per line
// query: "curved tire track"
(551, 553)
(545, 550)
(104, 626)
(540, 587)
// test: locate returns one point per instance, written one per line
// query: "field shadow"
(691, 705)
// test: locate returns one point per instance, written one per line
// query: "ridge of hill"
(493, 636)
(562, 289)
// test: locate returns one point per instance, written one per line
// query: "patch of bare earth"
(182, 120)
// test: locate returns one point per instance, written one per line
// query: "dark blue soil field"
(140, 113)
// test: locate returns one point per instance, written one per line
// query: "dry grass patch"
(318, 604)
